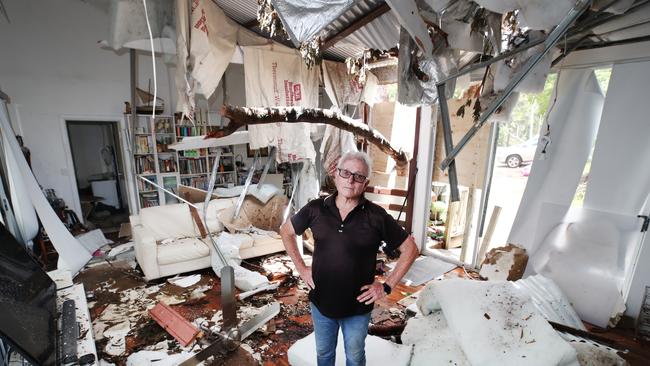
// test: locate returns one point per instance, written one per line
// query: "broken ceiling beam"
(242, 116)
(551, 40)
(356, 25)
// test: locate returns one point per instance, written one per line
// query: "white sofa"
(168, 241)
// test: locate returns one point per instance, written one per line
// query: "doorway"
(99, 173)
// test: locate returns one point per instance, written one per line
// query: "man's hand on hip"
(305, 274)
(371, 293)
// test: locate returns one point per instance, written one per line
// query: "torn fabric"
(280, 79)
(341, 87)
(213, 38)
(303, 19)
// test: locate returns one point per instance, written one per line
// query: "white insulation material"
(433, 342)
(495, 324)
(378, 352)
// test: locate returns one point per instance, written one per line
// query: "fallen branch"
(242, 116)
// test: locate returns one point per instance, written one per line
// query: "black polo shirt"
(345, 251)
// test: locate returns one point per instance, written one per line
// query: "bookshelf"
(195, 165)
(154, 160)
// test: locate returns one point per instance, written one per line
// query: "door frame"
(120, 124)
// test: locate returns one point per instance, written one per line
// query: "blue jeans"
(355, 329)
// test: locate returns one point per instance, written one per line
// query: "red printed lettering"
(201, 23)
(297, 95)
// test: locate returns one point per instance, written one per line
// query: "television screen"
(27, 303)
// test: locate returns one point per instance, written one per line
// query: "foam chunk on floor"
(495, 324)
(378, 352)
(433, 343)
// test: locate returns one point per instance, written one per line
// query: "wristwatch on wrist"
(387, 288)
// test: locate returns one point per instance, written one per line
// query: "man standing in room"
(348, 230)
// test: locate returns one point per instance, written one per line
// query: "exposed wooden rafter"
(369, 17)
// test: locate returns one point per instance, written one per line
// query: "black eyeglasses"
(344, 173)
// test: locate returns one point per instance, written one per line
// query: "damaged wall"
(53, 68)
(470, 162)
(397, 123)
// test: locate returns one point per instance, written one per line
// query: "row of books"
(144, 164)
(165, 139)
(143, 145)
(167, 165)
(193, 166)
(149, 199)
(196, 130)
(192, 153)
(145, 186)
(196, 182)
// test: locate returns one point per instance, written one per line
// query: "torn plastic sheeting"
(417, 78)
(549, 300)
(303, 19)
(534, 14)
(495, 324)
(587, 253)
(72, 255)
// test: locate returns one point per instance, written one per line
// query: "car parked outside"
(513, 156)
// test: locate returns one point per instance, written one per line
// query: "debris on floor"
(182, 330)
(504, 263)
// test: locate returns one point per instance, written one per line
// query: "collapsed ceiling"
(369, 24)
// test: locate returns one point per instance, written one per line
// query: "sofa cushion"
(216, 205)
(169, 221)
(180, 250)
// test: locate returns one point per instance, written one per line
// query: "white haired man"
(348, 231)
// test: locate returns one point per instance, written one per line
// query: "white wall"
(87, 140)
(53, 69)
